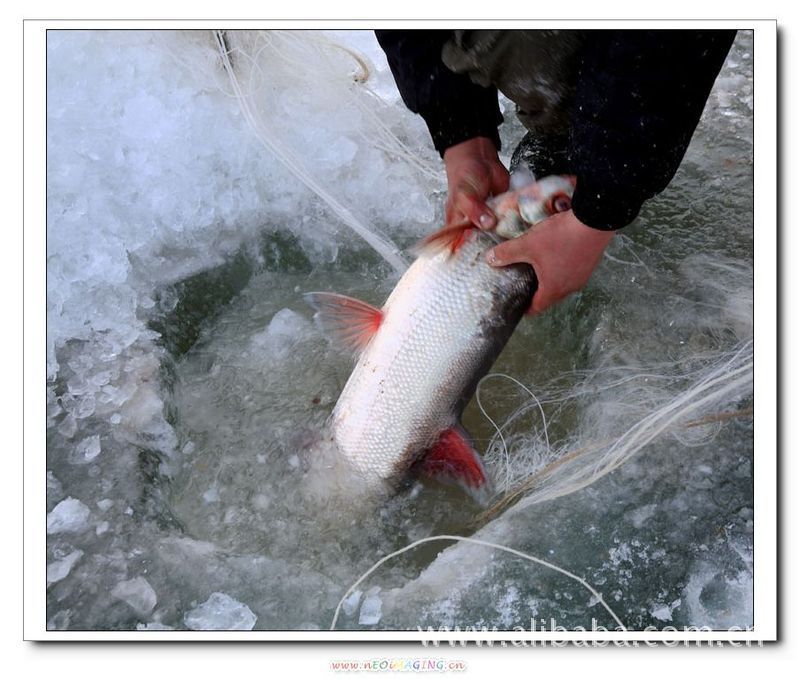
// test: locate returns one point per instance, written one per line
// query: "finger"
(450, 214)
(541, 301)
(453, 216)
(500, 179)
(509, 252)
(544, 299)
(474, 210)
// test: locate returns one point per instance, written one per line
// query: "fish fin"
(453, 460)
(447, 238)
(344, 320)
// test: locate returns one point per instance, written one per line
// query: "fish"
(421, 355)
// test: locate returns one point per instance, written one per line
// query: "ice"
(60, 569)
(112, 219)
(68, 427)
(137, 593)
(69, 516)
(55, 491)
(105, 504)
(282, 333)
(85, 406)
(350, 605)
(342, 152)
(220, 612)
(211, 495)
(719, 591)
(663, 612)
(60, 620)
(88, 449)
(639, 516)
(370, 612)
(153, 625)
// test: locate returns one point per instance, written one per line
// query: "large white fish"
(422, 354)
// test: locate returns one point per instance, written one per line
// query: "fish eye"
(559, 203)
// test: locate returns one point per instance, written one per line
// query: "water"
(188, 470)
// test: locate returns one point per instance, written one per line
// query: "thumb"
(508, 252)
(542, 300)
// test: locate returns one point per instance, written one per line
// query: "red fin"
(452, 459)
(345, 320)
(448, 238)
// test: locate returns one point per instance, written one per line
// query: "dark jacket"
(638, 97)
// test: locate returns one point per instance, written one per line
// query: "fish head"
(518, 210)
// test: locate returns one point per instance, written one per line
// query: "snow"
(220, 612)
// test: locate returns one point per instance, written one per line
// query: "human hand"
(563, 252)
(474, 172)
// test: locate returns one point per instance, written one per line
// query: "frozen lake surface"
(189, 485)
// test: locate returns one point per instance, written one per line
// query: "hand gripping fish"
(422, 354)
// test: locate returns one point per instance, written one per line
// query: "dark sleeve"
(454, 108)
(639, 97)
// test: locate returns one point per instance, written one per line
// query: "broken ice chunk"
(663, 612)
(220, 612)
(284, 330)
(54, 490)
(370, 612)
(70, 515)
(105, 504)
(211, 495)
(350, 605)
(60, 569)
(88, 449)
(137, 593)
(68, 426)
